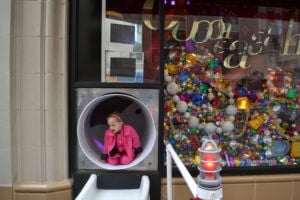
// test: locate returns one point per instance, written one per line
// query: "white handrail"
(183, 170)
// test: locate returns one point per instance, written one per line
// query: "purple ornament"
(196, 69)
(184, 97)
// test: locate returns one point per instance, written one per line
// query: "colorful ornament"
(181, 106)
(193, 122)
(210, 128)
(254, 120)
(172, 68)
(295, 149)
(231, 110)
(242, 103)
(172, 88)
(227, 126)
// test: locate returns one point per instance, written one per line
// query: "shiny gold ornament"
(243, 103)
(295, 149)
(191, 58)
(237, 161)
(256, 122)
(167, 127)
(197, 158)
(172, 69)
(272, 127)
(189, 85)
(222, 84)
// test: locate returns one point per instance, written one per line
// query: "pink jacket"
(132, 142)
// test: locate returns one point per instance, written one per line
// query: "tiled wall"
(40, 90)
(261, 187)
(5, 141)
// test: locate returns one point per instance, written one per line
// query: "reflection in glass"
(237, 78)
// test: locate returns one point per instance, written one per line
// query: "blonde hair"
(116, 115)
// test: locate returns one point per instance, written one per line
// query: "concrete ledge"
(43, 190)
(42, 187)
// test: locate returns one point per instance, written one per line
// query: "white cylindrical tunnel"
(92, 124)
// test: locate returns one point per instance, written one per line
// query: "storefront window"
(130, 50)
(232, 74)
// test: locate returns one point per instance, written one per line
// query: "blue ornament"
(198, 99)
(172, 142)
(260, 141)
(242, 91)
(263, 103)
(217, 63)
(243, 163)
(183, 76)
(283, 106)
(280, 147)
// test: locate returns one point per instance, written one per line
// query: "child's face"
(114, 124)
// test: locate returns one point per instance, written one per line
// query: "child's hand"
(103, 161)
(137, 155)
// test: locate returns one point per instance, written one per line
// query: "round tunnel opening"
(92, 125)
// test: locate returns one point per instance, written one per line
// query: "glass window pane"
(232, 74)
(130, 49)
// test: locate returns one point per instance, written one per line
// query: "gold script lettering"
(241, 55)
(258, 38)
(215, 26)
(289, 38)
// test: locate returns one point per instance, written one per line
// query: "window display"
(234, 77)
(231, 70)
(127, 48)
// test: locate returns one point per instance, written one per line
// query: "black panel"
(122, 67)
(127, 36)
(89, 41)
(118, 181)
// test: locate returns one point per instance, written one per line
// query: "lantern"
(209, 165)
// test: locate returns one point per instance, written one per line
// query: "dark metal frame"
(85, 72)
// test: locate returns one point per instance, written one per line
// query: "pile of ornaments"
(252, 123)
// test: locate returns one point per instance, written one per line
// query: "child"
(121, 142)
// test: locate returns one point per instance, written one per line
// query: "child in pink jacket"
(121, 142)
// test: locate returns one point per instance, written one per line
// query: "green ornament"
(211, 64)
(193, 130)
(203, 88)
(276, 103)
(292, 106)
(279, 157)
(266, 95)
(265, 147)
(252, 132)
(292, 93)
